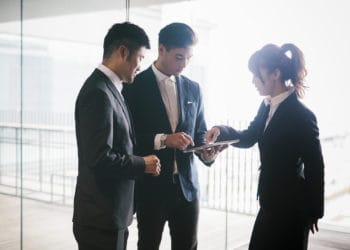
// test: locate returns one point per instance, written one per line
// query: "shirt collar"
(111, 76)
(276, 100)
(161, 77)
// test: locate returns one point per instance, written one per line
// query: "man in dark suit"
(103, 202)
(167, 109)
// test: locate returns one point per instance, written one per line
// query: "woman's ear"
(276, 74)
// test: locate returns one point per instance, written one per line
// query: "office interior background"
(48, 48)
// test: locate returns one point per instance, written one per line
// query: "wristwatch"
(162, 140)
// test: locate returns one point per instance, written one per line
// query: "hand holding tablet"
(209, 146)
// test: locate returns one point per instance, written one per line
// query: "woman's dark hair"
(130, 35)
(272, 57)
(177, 35)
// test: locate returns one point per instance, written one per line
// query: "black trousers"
(91, 238)
(181, 215)
(289, 231)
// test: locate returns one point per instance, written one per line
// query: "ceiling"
(10, 10)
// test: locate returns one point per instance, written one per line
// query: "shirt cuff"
(157, 143)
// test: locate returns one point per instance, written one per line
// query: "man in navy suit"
(167, 110)
(104, 196)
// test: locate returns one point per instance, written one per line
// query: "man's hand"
(178, 140)
(212, 134)
(152, 165)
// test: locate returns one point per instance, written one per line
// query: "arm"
(206, 156)
(97, 134)
(311, 154)
(247, 137)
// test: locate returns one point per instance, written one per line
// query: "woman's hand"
(212, 134)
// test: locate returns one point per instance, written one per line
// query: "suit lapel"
(265, 114)
(122, 104)
(181, 96)
(280, 111)
(156, 96)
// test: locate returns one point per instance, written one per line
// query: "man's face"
(173, 61)
(132, 65)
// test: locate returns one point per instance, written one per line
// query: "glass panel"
(61, 49)
(10, 126)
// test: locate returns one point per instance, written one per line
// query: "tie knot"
(170, 80)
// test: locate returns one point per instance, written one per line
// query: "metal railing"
(49, 162)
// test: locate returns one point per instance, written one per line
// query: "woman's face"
(269, 84)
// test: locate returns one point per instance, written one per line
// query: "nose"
(138, 68)
(184, 63)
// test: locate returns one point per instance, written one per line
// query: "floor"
(47, 226)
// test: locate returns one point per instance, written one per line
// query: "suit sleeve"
(200, 126)
(97, 132)
(247, 137)
(311, 154)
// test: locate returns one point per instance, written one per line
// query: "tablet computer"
(209, 145)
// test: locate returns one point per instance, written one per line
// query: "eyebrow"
(183, 56)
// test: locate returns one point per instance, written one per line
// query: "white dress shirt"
(168, 91)
(113, 77)
(274, 103)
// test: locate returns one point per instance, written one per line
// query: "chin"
(129, 80)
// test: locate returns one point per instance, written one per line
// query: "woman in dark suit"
(291, 181)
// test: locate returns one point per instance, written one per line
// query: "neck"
(280, 88)
(112, 66)
(160, 67)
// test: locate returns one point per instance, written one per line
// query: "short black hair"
(177, 35)
(128, 34)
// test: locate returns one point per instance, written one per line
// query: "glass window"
(44, 64)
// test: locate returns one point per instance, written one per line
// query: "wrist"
(163, 138)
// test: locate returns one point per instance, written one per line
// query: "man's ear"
(124, 52)
(161, 49)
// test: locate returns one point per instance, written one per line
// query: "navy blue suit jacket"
(150, 118)
(292, 167)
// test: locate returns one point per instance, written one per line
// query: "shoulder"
(303, 112)
(144, 75)
(94, 87)
(189, 83)
(141, 81)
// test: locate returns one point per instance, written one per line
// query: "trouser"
(276, 232)
(181, 215)
(91, 238)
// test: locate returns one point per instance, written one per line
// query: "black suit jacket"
(107, 166)
(150, 118)
(292, 167)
